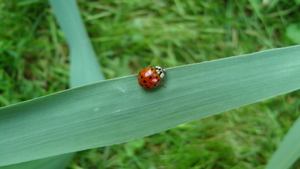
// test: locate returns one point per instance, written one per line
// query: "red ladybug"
(150, 77)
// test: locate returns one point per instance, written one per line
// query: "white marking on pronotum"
(160, 71)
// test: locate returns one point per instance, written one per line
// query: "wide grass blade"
(118, 110)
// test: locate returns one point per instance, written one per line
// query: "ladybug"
(150, 77)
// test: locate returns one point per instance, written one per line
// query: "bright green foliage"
(129, 35)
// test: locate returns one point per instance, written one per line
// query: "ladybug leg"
(162, 84)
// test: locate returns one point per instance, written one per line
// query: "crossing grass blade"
(84, 68)
(55, 162)
(118, 110)
(289, 150)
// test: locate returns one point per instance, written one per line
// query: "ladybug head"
(160, 71)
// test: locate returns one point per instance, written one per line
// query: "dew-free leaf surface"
(118, 110)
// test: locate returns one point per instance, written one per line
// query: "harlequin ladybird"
(150, 77)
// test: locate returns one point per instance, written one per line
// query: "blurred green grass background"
(130, 35)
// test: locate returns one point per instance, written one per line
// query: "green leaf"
(84, 65)
(57, 162)
(289, 150)
(118, 110)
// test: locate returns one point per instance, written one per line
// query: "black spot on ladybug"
(158, 80)
(154, 85)
(156, 77)
(144, 81)
(142, 76)
(150, 77)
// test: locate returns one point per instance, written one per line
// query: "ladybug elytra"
(150, 77)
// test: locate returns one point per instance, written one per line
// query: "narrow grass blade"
(56, 162)
(289, 150)
(118, 110)
(84, 65)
